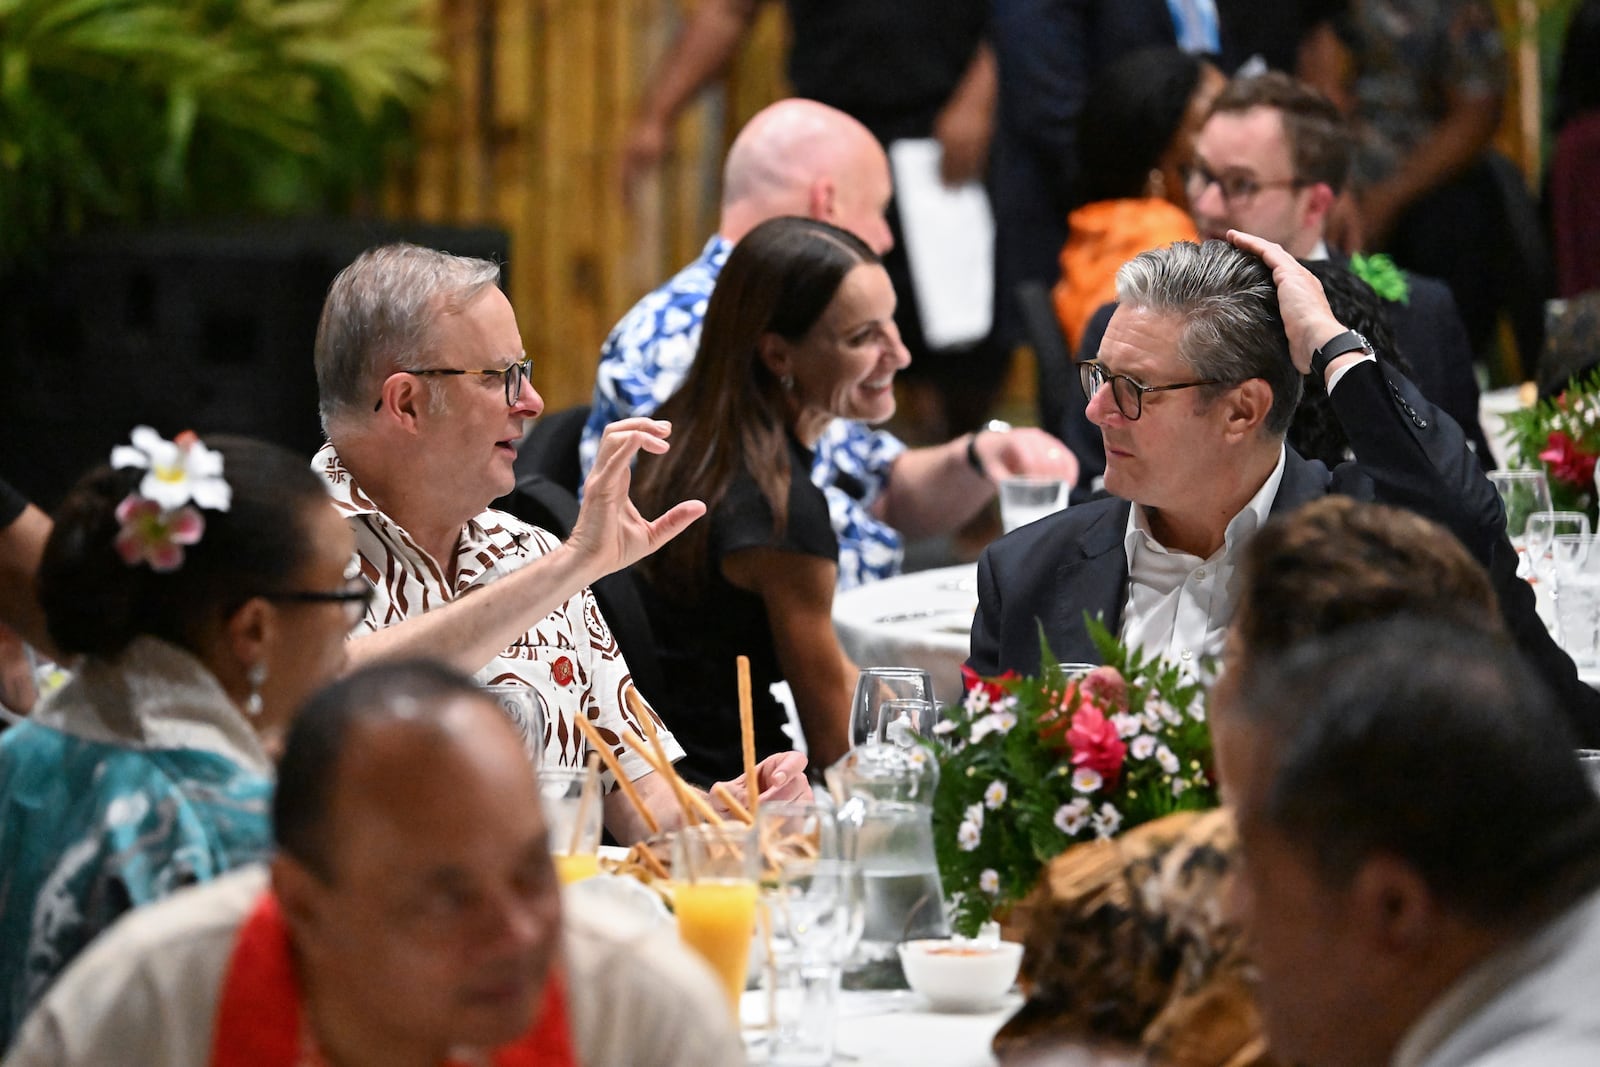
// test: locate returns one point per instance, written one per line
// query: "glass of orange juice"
(572, 806)
(714, 896)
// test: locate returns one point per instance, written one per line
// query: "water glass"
(816, 919)
(526, 709)
(878, 685)
(573, 807)
(1025, 500)
(714, 870)
(1522, 492)
(1577, 580)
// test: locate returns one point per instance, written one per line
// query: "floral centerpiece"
(1562, 436)
(1031, 766)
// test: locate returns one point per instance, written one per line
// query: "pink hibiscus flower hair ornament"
(163, 515)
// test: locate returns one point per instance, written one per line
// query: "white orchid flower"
(178, 471)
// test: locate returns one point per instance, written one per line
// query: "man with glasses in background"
(424, 391)
(1273, 159)
(1195, 385)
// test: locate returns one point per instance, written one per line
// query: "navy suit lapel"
(1087, 582)
(1303, 481)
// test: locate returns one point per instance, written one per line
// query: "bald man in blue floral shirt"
(799, 157)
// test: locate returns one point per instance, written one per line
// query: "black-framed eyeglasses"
(514, 377)
(1128, 394)
(355, 598)
(1236, 188)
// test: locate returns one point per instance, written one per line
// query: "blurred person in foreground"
(1420, 876)
(799, 157)
(411, 916)
(1132, 948)
(800, 333)
(206, 587)
(424, 390)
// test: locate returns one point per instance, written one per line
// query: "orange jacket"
(1102, 237)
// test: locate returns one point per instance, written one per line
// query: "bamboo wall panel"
(527, 135)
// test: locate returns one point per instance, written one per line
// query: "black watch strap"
(1349, 341)
(992, 426)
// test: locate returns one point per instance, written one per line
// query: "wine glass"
(1539, 538)
(902, 722)
(1522, 492)
(1540, 531)
(874, 687)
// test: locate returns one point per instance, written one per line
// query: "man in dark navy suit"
(1193, 389)
(1272, 159)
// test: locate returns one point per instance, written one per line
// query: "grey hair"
(1233, 330)
(378, 317)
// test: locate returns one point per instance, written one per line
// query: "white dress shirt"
(1179, 605)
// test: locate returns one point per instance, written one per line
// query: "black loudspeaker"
(208, 329)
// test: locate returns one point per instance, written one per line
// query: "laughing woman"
(799, 332)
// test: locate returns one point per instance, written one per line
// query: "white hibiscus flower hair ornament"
(162, 515)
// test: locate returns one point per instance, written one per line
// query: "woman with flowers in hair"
(204, 588)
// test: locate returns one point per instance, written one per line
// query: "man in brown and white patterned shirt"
(424, 392)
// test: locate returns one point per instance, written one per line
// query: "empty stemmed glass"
(879, 685)
(1539, 536)
(1522, 493)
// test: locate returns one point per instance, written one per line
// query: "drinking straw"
(680, 792)
(598, 744)
(747, 735)
(736, 809)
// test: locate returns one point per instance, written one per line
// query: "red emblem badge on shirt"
(561, 671)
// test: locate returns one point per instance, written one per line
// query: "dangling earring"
(787, 381)
(257, 677)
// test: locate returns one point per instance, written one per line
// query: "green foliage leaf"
(1006, 785)
(139, 110)
(1575, 413)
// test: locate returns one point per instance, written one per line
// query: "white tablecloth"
(897, 1029)
(922, 619)
(1491, 406)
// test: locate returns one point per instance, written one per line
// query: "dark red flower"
(993, 688)
(1568, 462)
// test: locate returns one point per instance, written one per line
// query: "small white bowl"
(960, 975)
